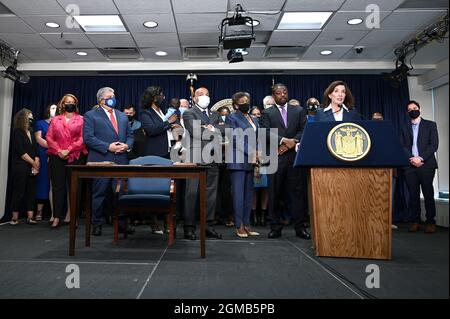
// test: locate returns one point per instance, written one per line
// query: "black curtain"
(371, 93)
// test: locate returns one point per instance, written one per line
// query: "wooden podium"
(351, 203)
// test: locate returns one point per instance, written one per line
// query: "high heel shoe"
(14, 222)
(250, 232)
(241, 235)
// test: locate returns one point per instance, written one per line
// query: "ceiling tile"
(340, 37)
(339, 20)
(173, 54)
(197, 39)
(34, 7)
(385, 37)
(156, 40)
(197, 22)
(89, 6)
(369, 52)
(361, 5)
(255, 52)
(68, 40)
(313, 52)
(93, 55)
(196, 6)
(13, 24)
(313, 5)
(257, 5)
(40, 54)
(135, 23)
(262, 37)
(267, 22)
(143, 6)
(411, 19)
(292, 38)
(20, 40)
(67, 24)
(109, 40)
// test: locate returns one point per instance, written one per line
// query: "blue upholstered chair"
(142, 195)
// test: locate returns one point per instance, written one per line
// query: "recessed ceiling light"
(161, 53)
(326, 52)
(82, 53)
(104, 23)
(255, 23)
(304, 20)
(52, 25)
(242, 51)
(150, 24)
(355, 21)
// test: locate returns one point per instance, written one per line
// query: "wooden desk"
(128, 171)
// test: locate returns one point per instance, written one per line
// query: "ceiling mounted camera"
(359, 50)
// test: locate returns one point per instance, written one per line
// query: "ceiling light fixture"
(304, 20)
(355, 21)
(82, 53)
(326, 52)
(150, 24)
(161, 53)
(52, 24)
(101, 23)
(254, 23)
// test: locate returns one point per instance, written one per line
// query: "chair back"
(160, 186)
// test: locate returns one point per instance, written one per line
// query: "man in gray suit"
(205, 118)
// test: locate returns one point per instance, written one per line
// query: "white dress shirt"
(338, 116)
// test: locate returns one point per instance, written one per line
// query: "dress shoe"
(415, 227)
(97, 231)
(303, 233)
(430, 228)
(274, 233)
(211, 233)
(190, 234)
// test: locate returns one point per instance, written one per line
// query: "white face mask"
(52, 111)
(203, 101)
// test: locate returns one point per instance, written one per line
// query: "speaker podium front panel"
(350, 186)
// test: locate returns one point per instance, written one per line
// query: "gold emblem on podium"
(348, 142)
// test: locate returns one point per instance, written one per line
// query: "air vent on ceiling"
(420, 4)
(121, 53)
(201, 52)
(293, 52)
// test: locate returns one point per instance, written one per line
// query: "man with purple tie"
(285, 185)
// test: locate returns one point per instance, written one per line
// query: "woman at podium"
(338, 104)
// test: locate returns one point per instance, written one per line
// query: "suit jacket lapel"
(202, 115)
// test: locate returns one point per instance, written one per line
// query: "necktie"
(113, 120)
(206, 113)
(284, 115)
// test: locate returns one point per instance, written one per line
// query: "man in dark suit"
(200, 113)
(420, 141)
(108, 135)
(285, 185)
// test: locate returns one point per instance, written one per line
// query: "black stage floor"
(33, 261)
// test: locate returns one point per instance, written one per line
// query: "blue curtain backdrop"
(371, 93)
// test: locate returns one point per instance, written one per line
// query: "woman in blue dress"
(43, 181)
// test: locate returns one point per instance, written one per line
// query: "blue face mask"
(111, 102)
(182, 109)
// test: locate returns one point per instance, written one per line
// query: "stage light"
(237, 32)
(13, 74)
(234, 56)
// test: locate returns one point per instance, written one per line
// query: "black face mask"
(244, 108)
(130, 118)
(30, 121)
(312, 107)
(159, 100)
(70, 108)
(414, 114)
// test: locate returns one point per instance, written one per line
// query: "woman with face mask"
(65, 147)
(158, 131)
(243, 161)
(25, 166)
(43, 181)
